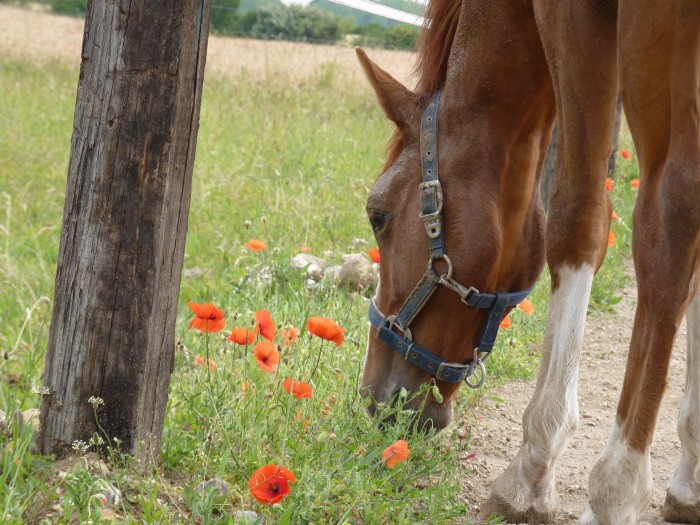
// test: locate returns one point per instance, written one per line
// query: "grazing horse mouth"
(426, 413)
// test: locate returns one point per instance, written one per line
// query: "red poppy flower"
(290, 334)
(198, 360)
(506, 323)
(265, 325)
(208, 318)
(305, 249)
(325, 329)
(611, 238)
(242, 336)
(625, 154)
(396, 453)
(267, 356)
(634, 184)
(256, 245)
(527, 307)
(614, 216)
(299, 389)
(212, 365)
(374, 254)
(609, 184)
(269, 484)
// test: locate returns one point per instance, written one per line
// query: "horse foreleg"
(683, 495)
(659, 46)
(580, 45)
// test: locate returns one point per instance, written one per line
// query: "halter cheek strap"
(388, 327)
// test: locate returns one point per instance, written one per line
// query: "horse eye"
(377, 219)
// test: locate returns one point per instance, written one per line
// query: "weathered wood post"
(124, 222)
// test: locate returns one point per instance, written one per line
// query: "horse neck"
(499, 111)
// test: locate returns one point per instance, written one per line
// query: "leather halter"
(388, 327)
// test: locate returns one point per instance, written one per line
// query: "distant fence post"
(124, 223)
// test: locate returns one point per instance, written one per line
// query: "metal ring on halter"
(391, 319)
(482, 376)
(444, 257)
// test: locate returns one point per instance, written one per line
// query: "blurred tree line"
(272, 20)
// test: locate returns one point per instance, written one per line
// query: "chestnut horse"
(494, 74)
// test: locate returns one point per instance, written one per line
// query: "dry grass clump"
(42, 37)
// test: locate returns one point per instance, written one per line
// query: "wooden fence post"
(124, 223)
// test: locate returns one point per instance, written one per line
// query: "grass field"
(290, 164)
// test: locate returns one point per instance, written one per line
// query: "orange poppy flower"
(265, 325)
(634, 184)
(396, 453)
(256, 245)
(305, 249)
(325, 329)
(269, 484)
(611, 238)
(506, 323)
(614, 216)
(609, 184)
(267, 356)
(242, 336)
(208, 318)
(198, 360)
(374, 254)
(298, 389)
(212, 365)
(298, 418)
(625, 154)
(290, 334)
(527, 307)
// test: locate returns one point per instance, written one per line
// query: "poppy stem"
(207, 362)
(318, 360)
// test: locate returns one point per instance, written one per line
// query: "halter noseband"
(495, 303)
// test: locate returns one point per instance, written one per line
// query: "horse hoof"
(496, 506)
(677, 512)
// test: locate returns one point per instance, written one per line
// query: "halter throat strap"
(394, 330)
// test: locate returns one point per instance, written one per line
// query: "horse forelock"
(434, 45)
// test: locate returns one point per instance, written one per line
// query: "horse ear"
(399, 103)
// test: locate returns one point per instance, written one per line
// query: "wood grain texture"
(125, 222)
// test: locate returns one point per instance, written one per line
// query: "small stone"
(217, 484)
(112, 495)
(312, 266)
(357, 270)
(332, 273)
(245, 517)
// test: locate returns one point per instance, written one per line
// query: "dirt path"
(497, 431)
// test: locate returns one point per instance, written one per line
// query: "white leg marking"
(552, 414)
(620, 485)
(684, 485)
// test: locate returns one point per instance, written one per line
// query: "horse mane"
(434, 45)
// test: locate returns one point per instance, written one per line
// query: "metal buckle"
(481, 379)
(432, 221)
(406, 332)
(442, 366)
(446, 276)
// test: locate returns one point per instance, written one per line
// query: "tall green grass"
(291, 166)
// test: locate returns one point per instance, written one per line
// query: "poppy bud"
(437, 395)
